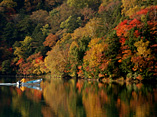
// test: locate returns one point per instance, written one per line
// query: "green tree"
(110, 16)
(31, 5)
(2, 24)
(71, 23)
(60, 14)
(38, 39)
(83, 3)
(6, 67)
(9, 34)
(25, 28)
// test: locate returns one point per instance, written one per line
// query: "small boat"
(32, 82)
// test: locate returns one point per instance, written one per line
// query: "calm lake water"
(58, 98)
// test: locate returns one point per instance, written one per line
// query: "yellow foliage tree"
(92, 59)
(92, 55)
(56, 60)
(105, 2)
(89, 29)
(24, 50)
(74, 57)
(66, 37)
(142, 48)
(129, 7)
(18, 52)
(39, 67)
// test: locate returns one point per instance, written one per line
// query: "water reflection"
(20, 101)
(90, 99)
(79, 99)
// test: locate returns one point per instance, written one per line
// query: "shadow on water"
(80, 98)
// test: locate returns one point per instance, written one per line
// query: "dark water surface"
(80, 98)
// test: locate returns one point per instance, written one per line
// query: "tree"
(51, 40)
(142, 48)
(6, 68)
(83, 3)
(9, 34)
(89, 30)
(60, 14)
(137, 44)
(38, 39)
(110, 16)
(76, 53)
(8, 3)
(25, 28)
(87, 14)
(39, 16)
(94, 58)
(2, 24)
(45, 29)
(130, 7)
(50, 4)
(57, 60)
(71, 23)
(34, 64)
(31, 5)
(74, 58)
(25, 49)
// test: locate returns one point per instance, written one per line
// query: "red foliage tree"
(141, 54)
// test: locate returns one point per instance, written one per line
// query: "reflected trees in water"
(84, 98)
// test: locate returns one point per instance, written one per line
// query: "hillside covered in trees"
(83, 38)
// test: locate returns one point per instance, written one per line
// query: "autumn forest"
(81, 38)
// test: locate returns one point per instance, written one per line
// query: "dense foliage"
(88, 38)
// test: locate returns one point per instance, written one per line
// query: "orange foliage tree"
(50, 40)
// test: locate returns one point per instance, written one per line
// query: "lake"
(59, 98)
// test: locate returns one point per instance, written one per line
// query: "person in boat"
(23, 80)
